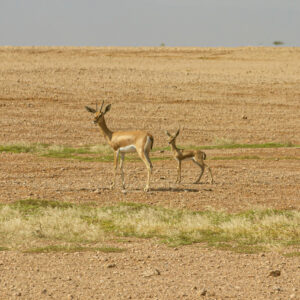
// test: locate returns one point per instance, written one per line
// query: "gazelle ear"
(91, 110)
(178, 131)
(107, 108)
(167, 133)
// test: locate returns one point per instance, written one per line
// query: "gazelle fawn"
(123, 142)
(196, 156)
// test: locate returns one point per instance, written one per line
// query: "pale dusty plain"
(217, 95)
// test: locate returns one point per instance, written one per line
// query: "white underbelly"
(127, 149)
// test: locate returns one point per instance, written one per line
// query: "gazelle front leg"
(116, 158)
(178, 180)
(122, 171)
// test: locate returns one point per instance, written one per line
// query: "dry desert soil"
(217, 96)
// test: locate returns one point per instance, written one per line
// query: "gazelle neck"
(173, 146)
(107, 133)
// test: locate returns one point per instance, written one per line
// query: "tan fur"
(196, 156)
(120, 139)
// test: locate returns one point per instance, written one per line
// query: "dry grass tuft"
(105, 149)
(223, 141)
(35, 223)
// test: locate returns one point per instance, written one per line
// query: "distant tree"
(278, 43)
(162, 44)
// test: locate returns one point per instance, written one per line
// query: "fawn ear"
(107, 108)
(167, 133)
(89, 109)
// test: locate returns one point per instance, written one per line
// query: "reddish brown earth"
(244, 95)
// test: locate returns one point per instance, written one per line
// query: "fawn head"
(172, 138)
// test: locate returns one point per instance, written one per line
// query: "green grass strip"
(103, 153)
(233, 146)
(71, 249)
(250, 146)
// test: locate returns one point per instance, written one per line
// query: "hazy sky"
(149, 22)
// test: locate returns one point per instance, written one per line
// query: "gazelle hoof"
(112, 186)
(147, 189)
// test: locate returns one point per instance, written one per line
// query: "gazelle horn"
(102, 105)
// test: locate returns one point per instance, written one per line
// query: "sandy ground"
(148, 271)
(243, 95)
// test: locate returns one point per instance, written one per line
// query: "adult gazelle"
(123, 142)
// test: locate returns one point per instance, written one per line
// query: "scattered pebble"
(203, 292)
(275, 273)
(151, 272)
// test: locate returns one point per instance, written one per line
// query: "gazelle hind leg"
(210, 172)
(202, 166)
(178, 180)
(149, 169)
(144, 155)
